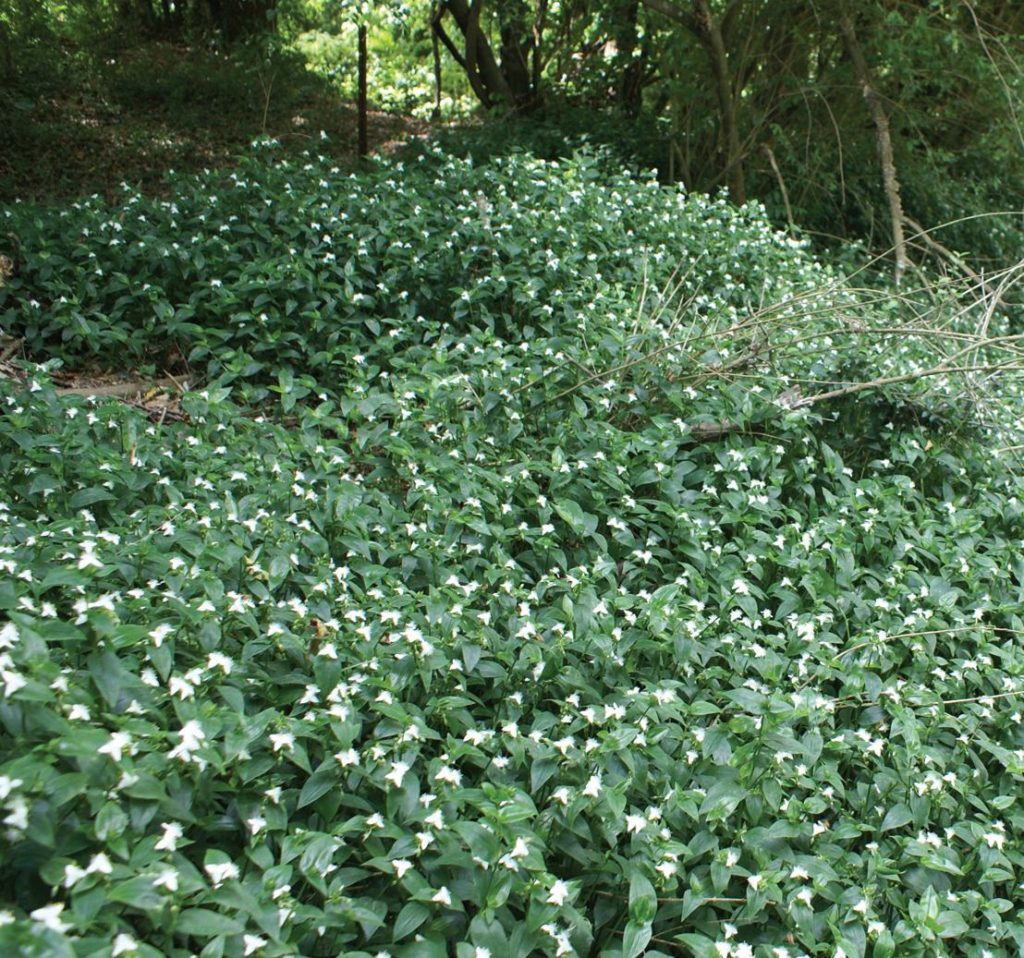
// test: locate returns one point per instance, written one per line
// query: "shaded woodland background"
(850, 121)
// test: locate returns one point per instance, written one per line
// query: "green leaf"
(111, 821)
(897, 816)
(89, 497)
(812, 743)
(643, 901)
(412, 915)
(717, 745)
(326, 777)
(722, 800)
(582, 523)
(885, 945)
(204, 923)
(635, 938)
(700, 945)
(137, 892)
(951, 924)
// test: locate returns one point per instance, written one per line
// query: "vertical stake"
(364, 144)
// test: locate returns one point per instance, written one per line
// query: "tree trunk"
(884, 137)
(703, 24)
(710, 34)
(516, 48)
(436, 47)
(632, 68)
(238, 18)
(489, 81)
(538, 41)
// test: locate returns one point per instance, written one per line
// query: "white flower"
(12, 681)
(994, 840)
(100, 863)
(49, 915)
(521, 849)
(636, 823)
(88, 557)
(217, 660)
(401, 866)
(667, 869)
(8, 636)
(73, 874)
(192, 735)
(256, 824)
(17, 809)
(282, 740)
(558, 894)
(177, 685)
(221, 872)
(118, 744)
(563, 947)
(397, 773)
(168, 879)
(754, 881)
(8, 785)
(448, 774)
(593, 786)
(252, 943)
(442, 896)
(123, 944)
(435, 819)
(173, 832)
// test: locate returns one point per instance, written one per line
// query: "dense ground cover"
(509, 588)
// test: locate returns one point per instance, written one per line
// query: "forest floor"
(94, 124)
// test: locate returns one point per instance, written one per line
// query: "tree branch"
(668, 9)
(440, 33)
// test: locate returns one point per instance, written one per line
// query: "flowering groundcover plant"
(490, 646)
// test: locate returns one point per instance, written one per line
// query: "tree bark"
(538, 40)
(710, 33)
(485, 76)
(703, 24)
(884, 138)
(632, 68)
(436, 47)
